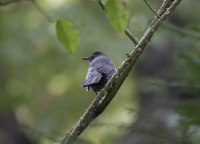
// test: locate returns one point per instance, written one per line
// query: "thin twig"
(151, 8)
(42, 11)
(102, 100)
(130, 35)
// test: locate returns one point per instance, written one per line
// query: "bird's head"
(93, 56)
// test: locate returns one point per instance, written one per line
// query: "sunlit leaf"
(117, 14)
(67, 35)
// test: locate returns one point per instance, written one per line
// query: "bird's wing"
(106, 70)
(92, 77)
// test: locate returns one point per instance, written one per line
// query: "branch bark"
(102, 100)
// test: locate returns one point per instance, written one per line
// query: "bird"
(100, 71)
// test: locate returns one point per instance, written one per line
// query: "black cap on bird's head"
(93, 56)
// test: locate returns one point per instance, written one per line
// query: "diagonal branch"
(165, 5)
(108, 93)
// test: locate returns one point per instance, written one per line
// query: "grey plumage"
(99, 72)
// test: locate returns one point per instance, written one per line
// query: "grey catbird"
(99, 72)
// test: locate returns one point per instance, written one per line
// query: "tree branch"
(165, 5)
(102, 100)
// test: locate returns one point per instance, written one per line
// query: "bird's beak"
(86, 58)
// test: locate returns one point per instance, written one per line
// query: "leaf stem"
(42, 11)
(151, 8)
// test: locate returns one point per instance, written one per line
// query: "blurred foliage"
(40, 81)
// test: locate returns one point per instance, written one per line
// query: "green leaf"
(117, 14)
(67, 35)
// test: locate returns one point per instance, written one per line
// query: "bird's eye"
(92, 57)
